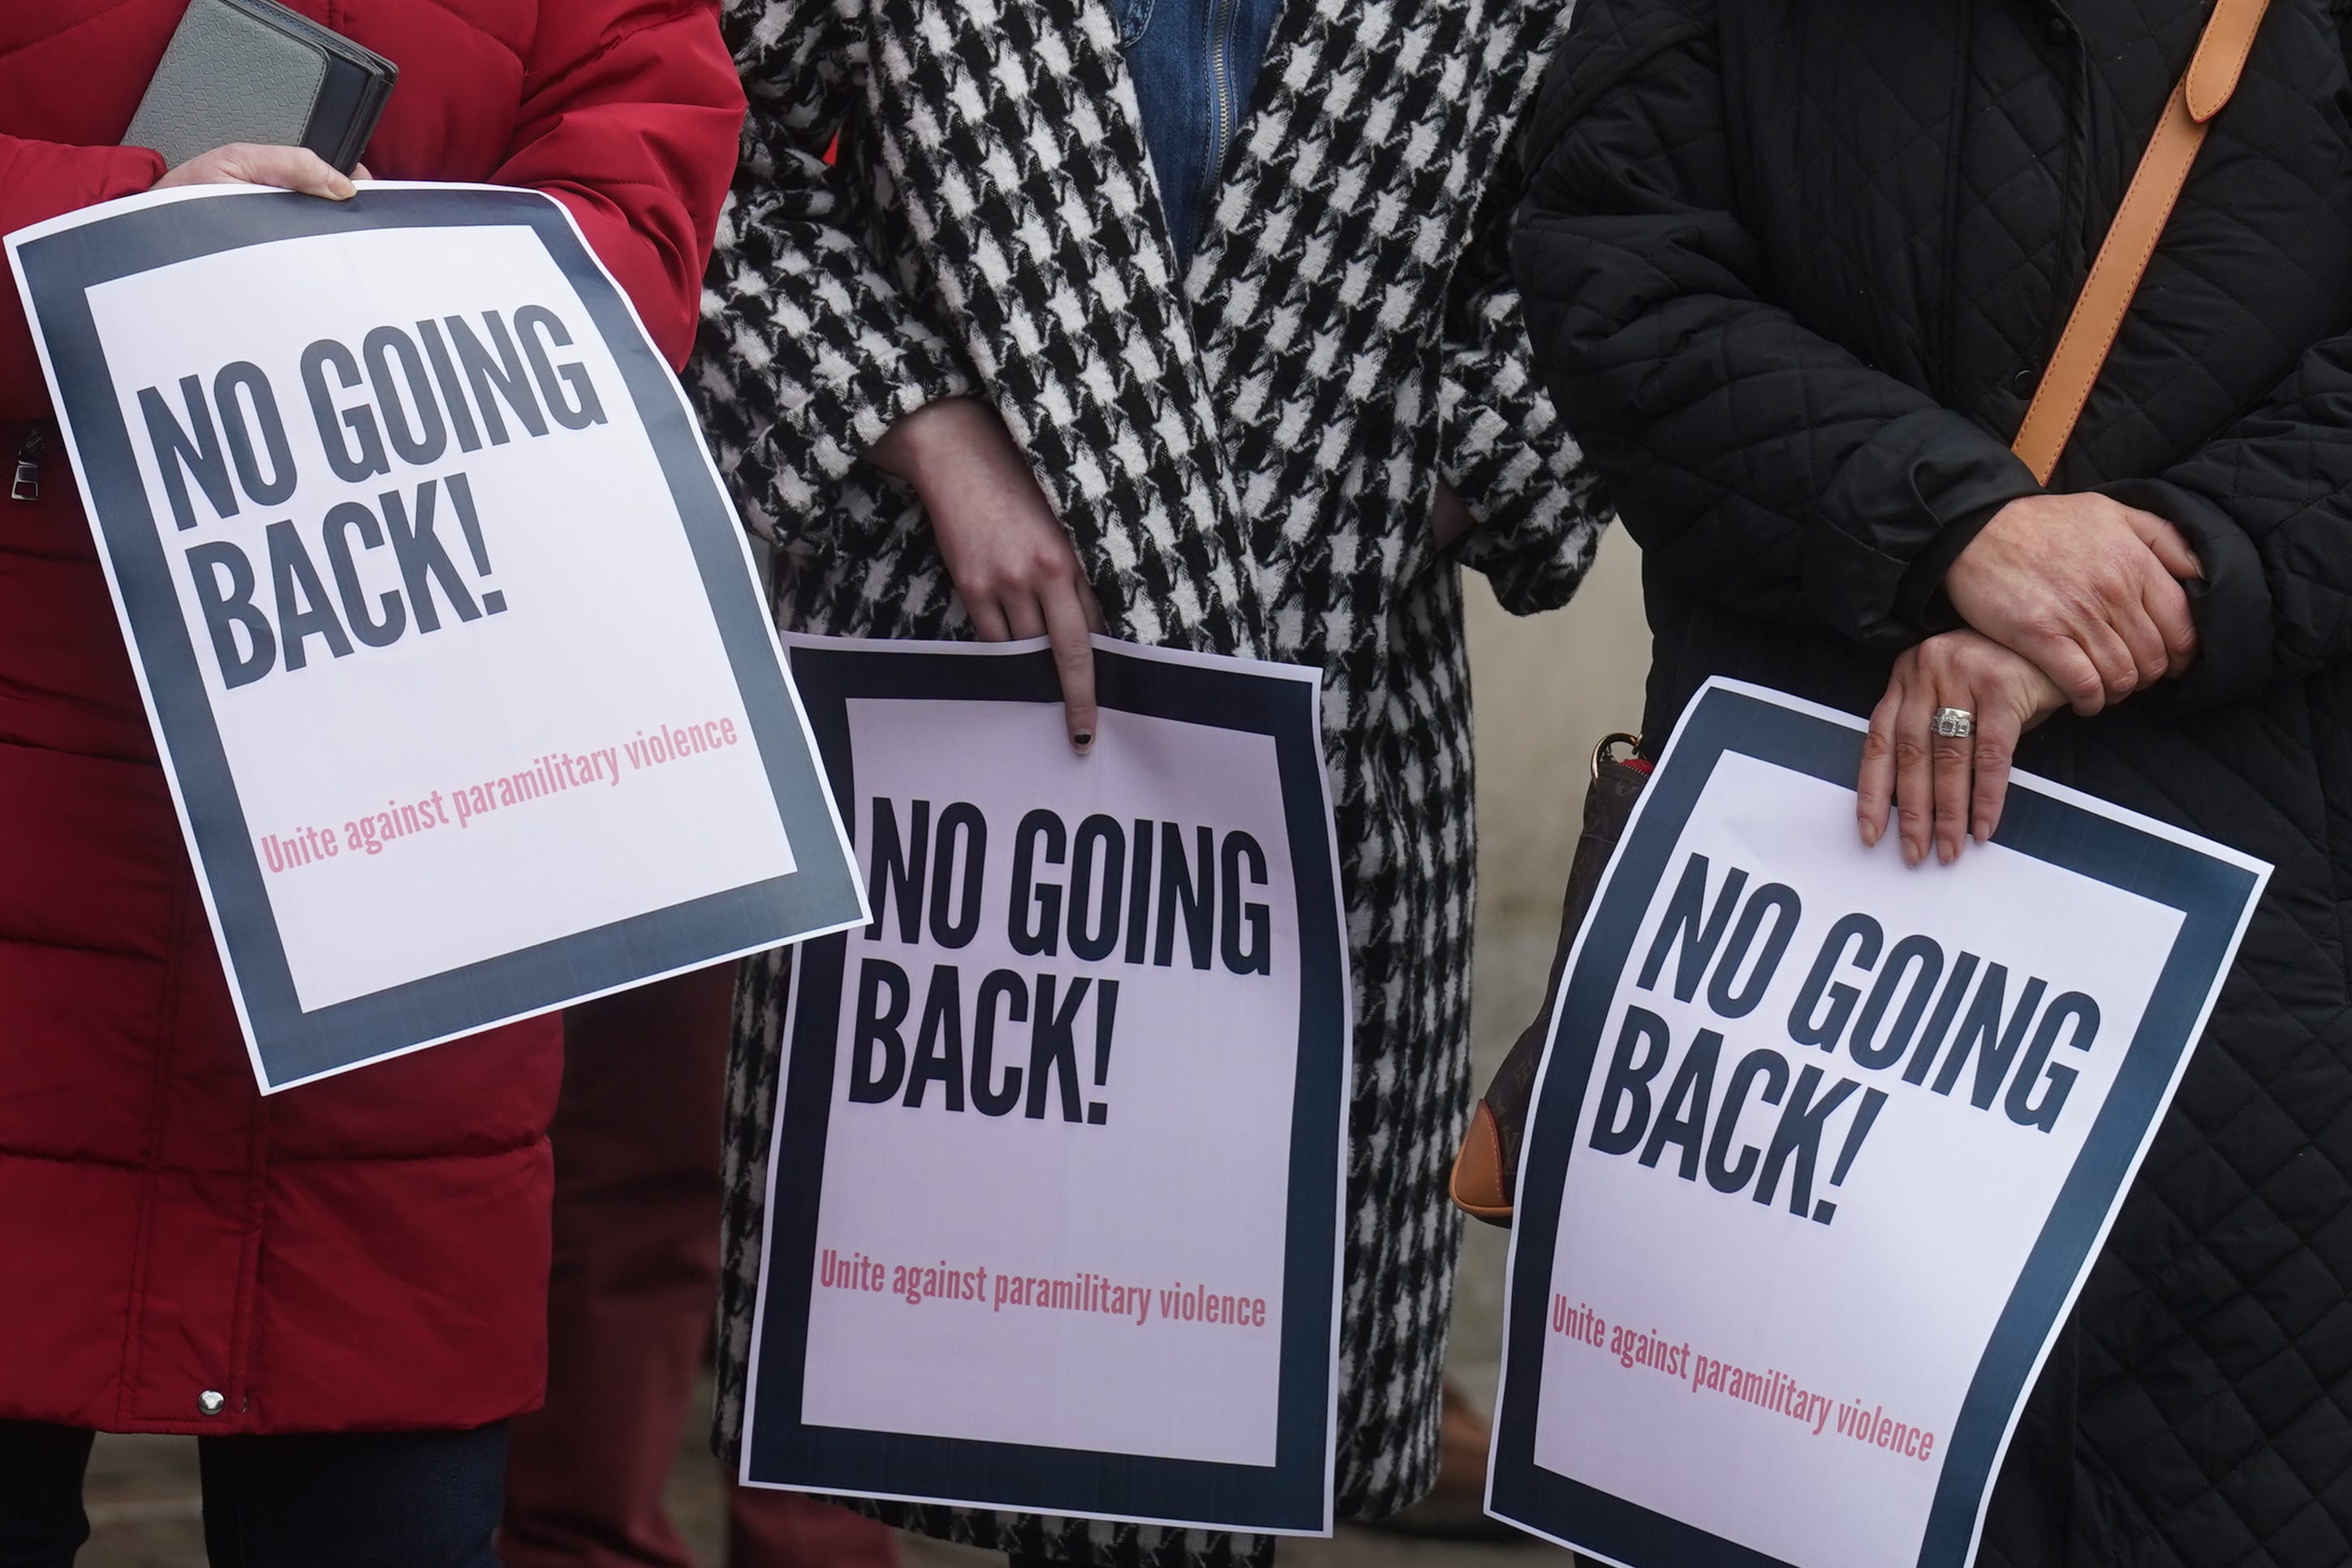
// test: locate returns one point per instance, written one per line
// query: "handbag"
(1485, 1170)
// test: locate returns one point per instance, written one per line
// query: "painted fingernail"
(1082, 738)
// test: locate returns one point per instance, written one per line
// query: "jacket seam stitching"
(244, 1327)
(135, 1320)
(533, 85)
(103, 1162)
(478, 29)
(17, 940)
(9, 742)
(1946, 353)
(1556, 125)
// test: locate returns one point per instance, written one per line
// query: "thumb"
(292, 169)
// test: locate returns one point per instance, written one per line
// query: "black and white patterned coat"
(1245, 454)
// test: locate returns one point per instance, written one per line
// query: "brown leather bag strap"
(2122, 256)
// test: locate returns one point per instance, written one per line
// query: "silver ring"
(1954, 723)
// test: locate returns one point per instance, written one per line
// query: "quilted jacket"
(176, 1252)
(1792, 268)
(1244, 451)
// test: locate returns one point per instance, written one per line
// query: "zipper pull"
(27, 484)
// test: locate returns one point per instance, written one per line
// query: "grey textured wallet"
(252, 70)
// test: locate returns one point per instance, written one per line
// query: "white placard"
(447, 632)
(1824, 1146)
(1052, 1211)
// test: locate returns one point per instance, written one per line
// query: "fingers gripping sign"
(1942, 741)
(245, 163)
(1010, 557)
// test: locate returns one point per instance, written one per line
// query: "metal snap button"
(2022, 381)
(212, 1402)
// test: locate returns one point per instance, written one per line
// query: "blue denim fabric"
(1195, 63)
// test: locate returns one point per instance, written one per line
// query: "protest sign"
(447, 630)
(1054, 1197)
(1824, 1146)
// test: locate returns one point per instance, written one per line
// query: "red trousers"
(630, 1302)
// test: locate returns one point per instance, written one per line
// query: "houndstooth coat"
(1245, 456)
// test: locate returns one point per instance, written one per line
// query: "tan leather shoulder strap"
(2115, 276)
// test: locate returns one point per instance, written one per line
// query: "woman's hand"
(1942, 788)
(2087, 588)
(248, 163)
(1011, 559)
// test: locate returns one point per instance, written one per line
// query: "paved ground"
(1546, 689)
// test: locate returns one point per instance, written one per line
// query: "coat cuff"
(794, 391)
(1536, 510)
(2236, 634)
(1890, 506)
(1922, 601)
(1536, 554)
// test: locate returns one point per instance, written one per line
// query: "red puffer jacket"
(369, 1252)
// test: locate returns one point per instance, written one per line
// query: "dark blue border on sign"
(1290, 1494)
(293, 1045)
(2211, 896)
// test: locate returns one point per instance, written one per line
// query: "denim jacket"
(1193, 63)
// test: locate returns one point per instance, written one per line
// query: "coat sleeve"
(810, 353)
(2268, 507)
(1538, 506)
(1758, 462)
(630, 116)
(38, 181)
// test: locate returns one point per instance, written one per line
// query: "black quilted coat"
(1793, 268)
